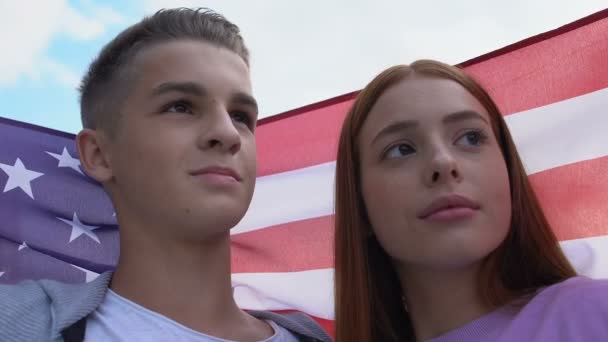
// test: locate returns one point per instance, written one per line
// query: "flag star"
(66, 160)
(19, 177)
(79, 228)
(89, 275)
(23, 245)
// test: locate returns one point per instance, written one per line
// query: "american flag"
(553, 89)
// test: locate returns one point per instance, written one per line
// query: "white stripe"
(290, 196)
(589, 256)
(562, 133)
(306, 291)
(312, 291)
(558, 134)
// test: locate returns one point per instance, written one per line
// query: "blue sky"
(301, 54)
(46, 94)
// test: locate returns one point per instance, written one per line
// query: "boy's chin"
(218, 221)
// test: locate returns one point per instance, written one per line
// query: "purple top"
(573, 310)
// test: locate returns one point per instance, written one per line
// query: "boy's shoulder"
(41, 310)
(25, 312)
(38, 310)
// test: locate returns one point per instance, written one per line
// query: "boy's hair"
(106, 83)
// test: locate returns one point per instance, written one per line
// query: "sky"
(302, 51)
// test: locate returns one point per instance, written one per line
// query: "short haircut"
(106, 83)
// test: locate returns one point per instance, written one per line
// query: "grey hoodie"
(48, 310)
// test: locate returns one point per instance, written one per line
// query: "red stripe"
(327, 325)
(575, 198)
(303, 140)
(556, 69)
(551, 67)
(590, 19)
(295, 246)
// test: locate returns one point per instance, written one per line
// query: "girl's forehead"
(421, 99)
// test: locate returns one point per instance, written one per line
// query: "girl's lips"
(449, 206)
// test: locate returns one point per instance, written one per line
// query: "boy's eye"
(179, 107)
(242, 117)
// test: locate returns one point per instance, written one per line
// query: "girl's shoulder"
(575, 290)
(577, 307)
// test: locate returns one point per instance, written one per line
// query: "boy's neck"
(188, 282)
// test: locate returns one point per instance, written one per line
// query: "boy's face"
(184, 153)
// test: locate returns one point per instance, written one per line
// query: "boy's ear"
(93, 149)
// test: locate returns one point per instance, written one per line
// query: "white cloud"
(26, 30)
(61, 73)
(78, 26)
(306, 51)
(107, 15)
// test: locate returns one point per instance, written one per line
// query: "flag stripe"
(303, 140)
(295, 246)
(575, 198)
(314, 288)
(564, 206)
(562, 133)
(310, 137)
(590, 19)
(290, 196)
(589, 256)
(576, 134)
(548, 68)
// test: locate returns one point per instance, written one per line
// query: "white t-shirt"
(119, 319)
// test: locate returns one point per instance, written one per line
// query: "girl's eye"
(472, 138)
(399, 151)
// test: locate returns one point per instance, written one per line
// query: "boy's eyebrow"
(246, 100)
(191, 88)
(196, 89)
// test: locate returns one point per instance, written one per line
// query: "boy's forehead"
(191, 52)
(191, 62)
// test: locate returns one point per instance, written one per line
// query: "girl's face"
(434, 181)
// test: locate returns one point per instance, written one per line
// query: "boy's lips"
(218, 172)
